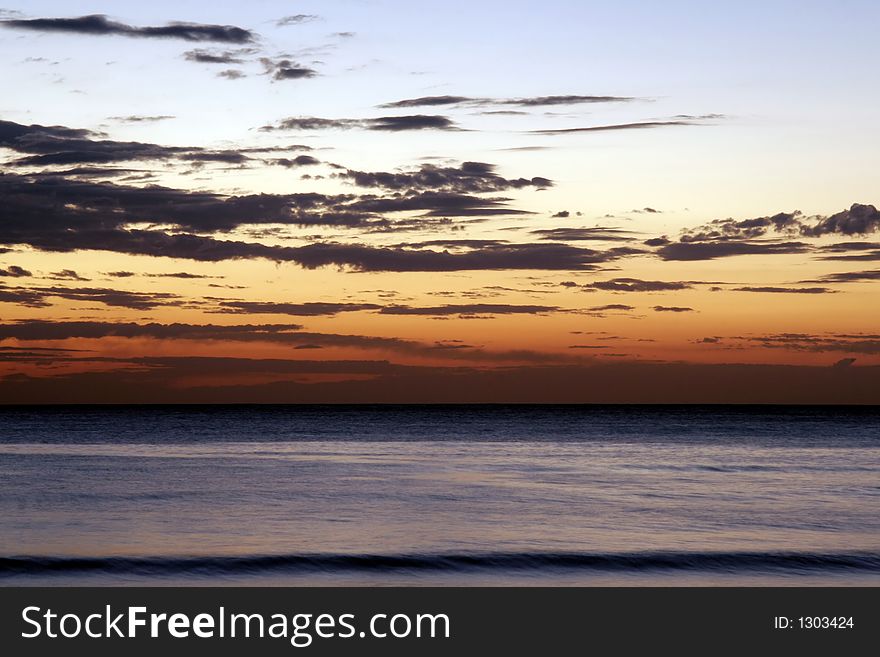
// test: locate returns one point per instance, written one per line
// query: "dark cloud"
(848, 277)
(14, 271)
(470, 177)
(673, 309)
(381, 123)
(728, 237)
(414, 122)
(309, 309)
(202, 56)
(858, 220)
(427, 101)
(67, 275)
(141, 119)
(59, 145)
(724, 249)
(562, 214)
(644, 125)
(56, 214)
(597, 233)
(38, 296)
(231, 74)
(854, 344)
(100, 25)
(299, 161)
(293, 72)
(612, 306)
(536, 101)
(469, 309)
(312, 123)
(286, 69)
(636, 285)
(785, 290)
(850, 251)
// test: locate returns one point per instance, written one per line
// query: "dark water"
(440, 495)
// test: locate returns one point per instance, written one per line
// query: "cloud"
(427, 101)
(57, 214)
(724, 249)
(469, 309)
(644, 125)
(202, 56)
(66, 275)
(847, 343)
(785, 290)
(844, 362)
(381, 123)
(296, 19)
(728, 237)
(469, 177)
(14, 271)
(850, 251)
(141, 119)
(100, 25)
(597, 233)
(636, 285)
(673, 309)
(309, 309)
(535, 101)
(848, 277)
(231, 74)
(299, 161)
(858, 220)
(38, 296)
(414, 122)
(612, 306)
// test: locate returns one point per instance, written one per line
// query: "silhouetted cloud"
(14, 271)
(673, 309)
(850, 251)
(598, 233)
(858, 220)
(380, 123)
(308, 309)
(535, 101)
(202, 56)
(469, 309)
(848, 343)
(134, 118)
(784, 290)
(299, 161)
(728, 237)
(643, 125)
(67, 275)
(848, 277)
(633, 285)
(470, 177)
(100, 25)
(612, 306)
(725, 249)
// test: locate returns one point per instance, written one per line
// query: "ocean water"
(440, 495)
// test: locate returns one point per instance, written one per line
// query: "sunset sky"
(378, 200)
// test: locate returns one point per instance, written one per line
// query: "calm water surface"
(440, 495)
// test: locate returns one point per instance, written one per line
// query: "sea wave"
(731, 562)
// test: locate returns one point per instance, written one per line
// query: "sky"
(384, 201)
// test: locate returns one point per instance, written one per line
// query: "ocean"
(439, 495)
